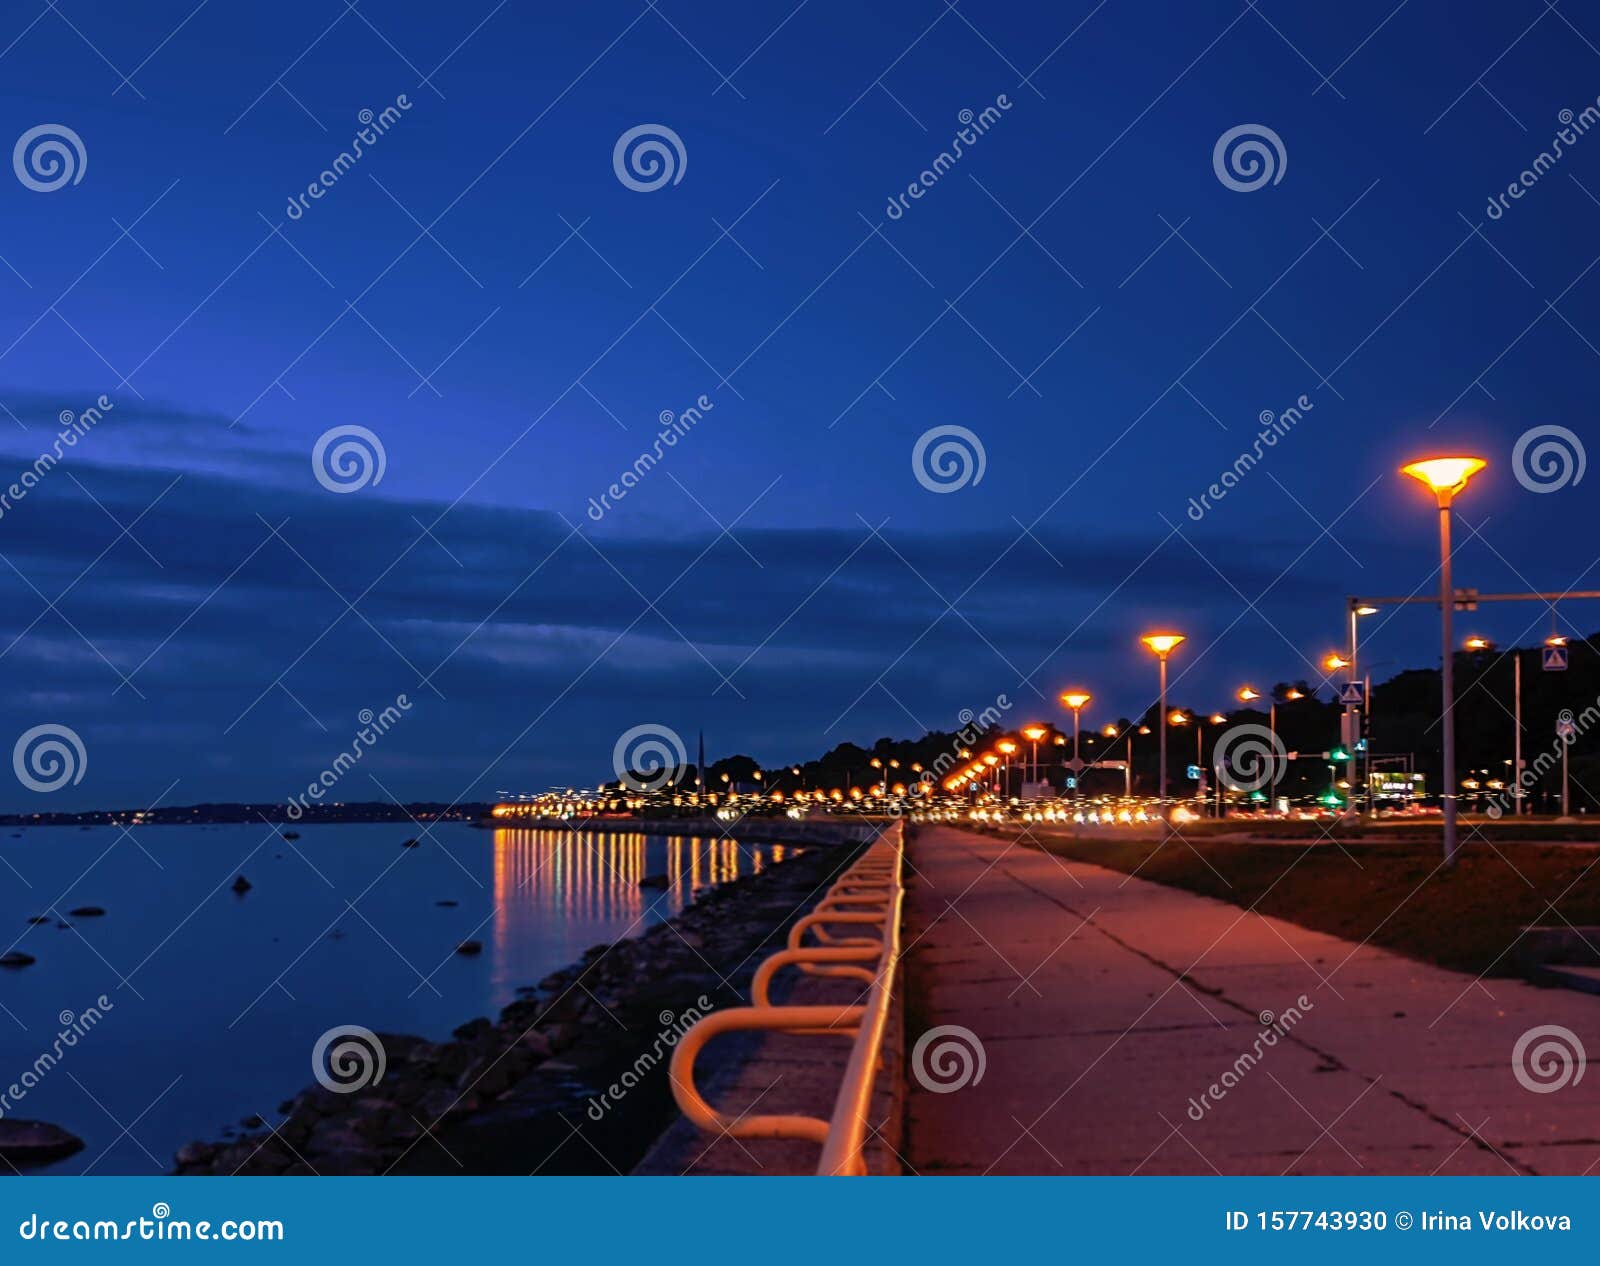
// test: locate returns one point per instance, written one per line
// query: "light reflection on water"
(219, 998)
(542, 875)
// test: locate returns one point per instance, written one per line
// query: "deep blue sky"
(825, 349)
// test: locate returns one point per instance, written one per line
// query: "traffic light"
(1340, 753)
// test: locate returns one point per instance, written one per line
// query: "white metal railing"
(854, 933)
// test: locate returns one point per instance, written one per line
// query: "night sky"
(484, 294)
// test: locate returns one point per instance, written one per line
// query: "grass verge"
(1396, 895)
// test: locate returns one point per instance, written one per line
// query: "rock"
(196, 1153)
(87, 912)
(330, 1137)
(561, 1036)
(535, 1043)
(655, 881)
(470, 948)
(16, 958)
(520, 1014)
(241, 885)
(489, 1077)
(439, 1104)
(35, 1142)
(474, 1029)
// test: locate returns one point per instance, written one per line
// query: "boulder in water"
(87, 912)
(36, 1142)
(16, 958)
(470, 948)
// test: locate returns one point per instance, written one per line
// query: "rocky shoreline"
(570, 1079)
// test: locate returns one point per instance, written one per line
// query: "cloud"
(257, 617)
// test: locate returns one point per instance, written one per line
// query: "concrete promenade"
(1107, 1006)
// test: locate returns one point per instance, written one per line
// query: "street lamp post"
(1483, 644)
(1249, 694)
(1008, 749)
(1353, 741)
(1445, 477)
(1162, 645)
(1033, 733)
(1217, 719)
(1075, 699)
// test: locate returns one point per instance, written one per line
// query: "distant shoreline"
(267, 814)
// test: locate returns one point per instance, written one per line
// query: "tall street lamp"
(1179, 717)
(1358, 609)
(1484, 646)
(1249, 694)
(1162, 644)
(1009, 749)
(1445, 477)
(1033, 733)
(1075, 699)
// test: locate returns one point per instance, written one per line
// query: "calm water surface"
(217, 998)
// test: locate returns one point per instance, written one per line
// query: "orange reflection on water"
(544, 878)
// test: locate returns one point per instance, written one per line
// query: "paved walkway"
(1107, 1006)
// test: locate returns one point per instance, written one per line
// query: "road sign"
(1565, 727)
(1072, 783)
(1555, 659)
(1353, 694)
(1194, 773)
